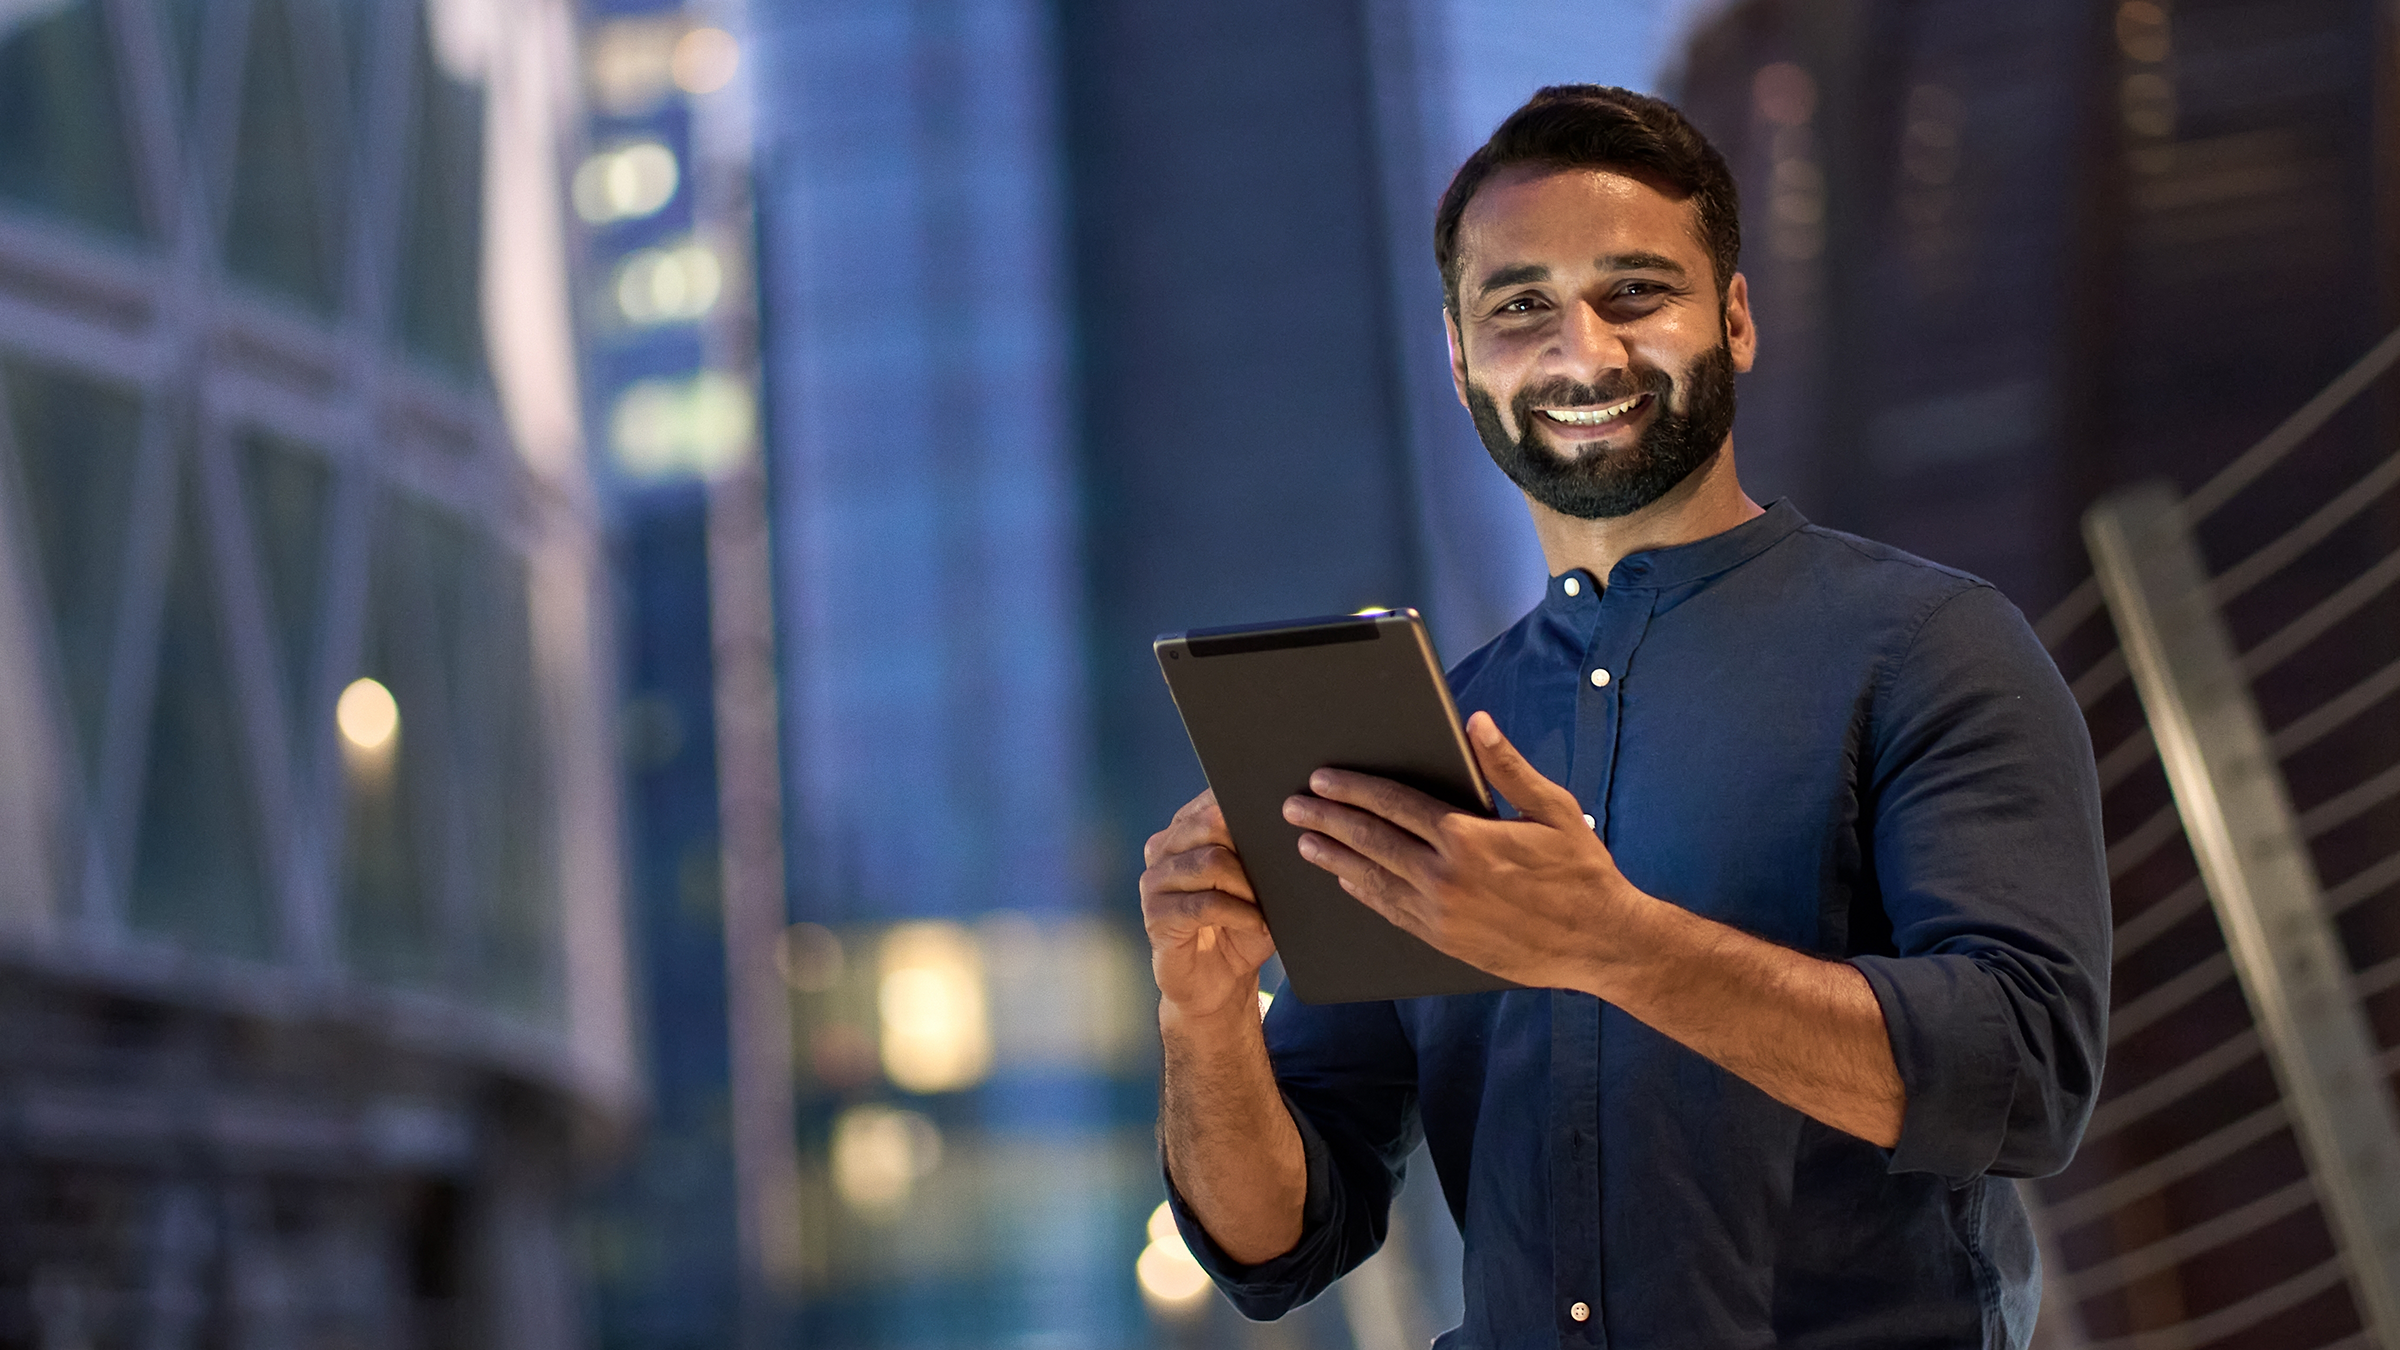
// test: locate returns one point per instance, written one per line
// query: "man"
(1803, 873)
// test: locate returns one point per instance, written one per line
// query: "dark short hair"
(1592, 126)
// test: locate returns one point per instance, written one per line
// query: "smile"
(1594, 417)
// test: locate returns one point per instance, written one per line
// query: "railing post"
(2238, 816)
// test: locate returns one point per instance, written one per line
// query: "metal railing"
(2211, 1199)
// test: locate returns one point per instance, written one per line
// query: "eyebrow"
(1640, 262)
(1513, 275)
(1519, 273)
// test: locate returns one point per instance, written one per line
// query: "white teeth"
(1591, 417)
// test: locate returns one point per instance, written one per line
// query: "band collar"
(1680, 564)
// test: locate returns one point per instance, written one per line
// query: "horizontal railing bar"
(2137, 844)
(2321, 616)
(2168, 1168)
(2168, 998)
(2377, 978)
(2164, 913)
(2344, 807)
(2069, 613)
(2131, 753)
(2240, 1315)
(2177, 1247)
(2259, 458)
(2181, 1081)
(2106, 673)
(2239, 578)
(2307, 729)
(2367, 881)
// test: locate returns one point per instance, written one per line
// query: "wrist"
(1231, 1021)
(1642, 945)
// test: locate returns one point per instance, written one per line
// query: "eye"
(1523, 304)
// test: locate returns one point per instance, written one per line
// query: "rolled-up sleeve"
(1988, 856)
(1348, 1076)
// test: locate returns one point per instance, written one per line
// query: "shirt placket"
(1576, 1258)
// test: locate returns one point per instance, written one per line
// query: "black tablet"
(1266, 706)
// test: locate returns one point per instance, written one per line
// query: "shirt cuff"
(1278, 1284)
(1957, 1056)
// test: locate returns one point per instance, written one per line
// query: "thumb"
(1535, 797)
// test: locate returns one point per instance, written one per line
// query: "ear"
(1741, 334)
(1458, 357)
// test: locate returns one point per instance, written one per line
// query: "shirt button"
(1581, 1312)
(1572, 586)
(1589, 823)
(1599, 679)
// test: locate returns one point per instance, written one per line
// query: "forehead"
(1570, 217)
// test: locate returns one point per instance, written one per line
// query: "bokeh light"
(879, 1155)
(705, 60)
(668, 285)
(367, 714)
(1172, 1282)
(626, 183)
(936, 1029)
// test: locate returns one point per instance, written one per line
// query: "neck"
(1709, 502)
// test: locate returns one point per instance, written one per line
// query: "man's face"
(1588, 340)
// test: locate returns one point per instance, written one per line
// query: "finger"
(1211, 867)
(1379, 840)
(1177, 916)
(1197, 824)
(1535, 797)
(1404, 806)
(1378, 888)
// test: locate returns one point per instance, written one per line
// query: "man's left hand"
(1535, 900)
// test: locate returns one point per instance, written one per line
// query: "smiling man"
(1802, 873)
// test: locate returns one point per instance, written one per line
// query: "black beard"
(1604, 483)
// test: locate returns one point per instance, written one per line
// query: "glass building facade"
(308, 880)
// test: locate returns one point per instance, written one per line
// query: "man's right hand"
(1207, 939)
(1230, 1142)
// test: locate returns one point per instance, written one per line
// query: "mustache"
(1561, 392)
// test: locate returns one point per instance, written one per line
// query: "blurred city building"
(314, 974)
(2008, 259)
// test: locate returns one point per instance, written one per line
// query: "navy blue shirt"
(1837, 747)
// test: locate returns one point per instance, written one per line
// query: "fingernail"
(1308, 846)
(1292, 809)
(1319, 781)
(1484, 729)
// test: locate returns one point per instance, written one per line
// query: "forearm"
(1230, 1143)
(1806, 1031)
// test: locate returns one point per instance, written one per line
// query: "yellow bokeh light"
(367, 714)
(879, 1155)
(936, 1027)
(1171, 1280)
(627, 183)
(705, 60)
(669, 285)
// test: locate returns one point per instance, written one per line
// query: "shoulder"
(1903, 578)
(1929, 625)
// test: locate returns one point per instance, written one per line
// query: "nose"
(1589, 344)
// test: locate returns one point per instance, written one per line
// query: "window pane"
(181, 24)
(76, 442)
(62, 142)
(285, 192)
(197, 874)
(393, 786)
(507, 782)
(286, 486)
(441, 259)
